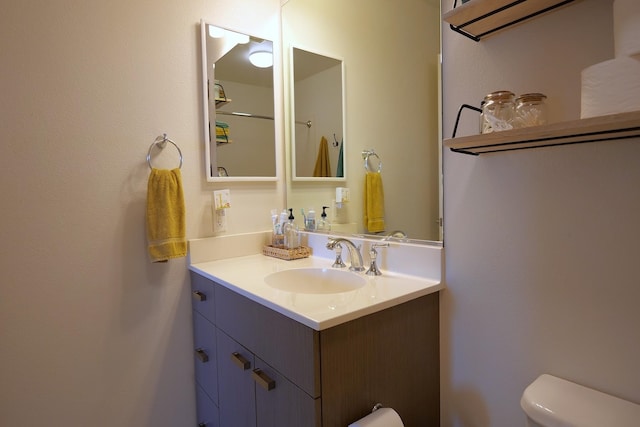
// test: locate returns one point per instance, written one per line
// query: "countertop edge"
(434, 286)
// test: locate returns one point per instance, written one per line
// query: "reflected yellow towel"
(373, 202)
(165, 215)
(322, 168)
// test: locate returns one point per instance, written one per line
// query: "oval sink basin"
(315, 281)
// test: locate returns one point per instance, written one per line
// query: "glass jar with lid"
(531, 110)
(498, 111)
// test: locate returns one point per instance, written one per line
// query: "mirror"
(391, 103)
(239, 106)
(317, 137)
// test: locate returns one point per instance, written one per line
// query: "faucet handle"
(338, 262)
(373, 254)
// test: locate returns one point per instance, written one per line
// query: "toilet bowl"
(554, 402)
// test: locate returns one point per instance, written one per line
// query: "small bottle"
(498, 110)
(277, 240)
(291, 235)
(530, 110)
(310, 221)
(323, 223)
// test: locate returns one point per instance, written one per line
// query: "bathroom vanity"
(269, 357)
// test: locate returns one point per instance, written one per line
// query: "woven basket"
(287, 254)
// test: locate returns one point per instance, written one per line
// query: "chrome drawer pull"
(263, 379)
(202, 355)
(199, 296)
(239, 360)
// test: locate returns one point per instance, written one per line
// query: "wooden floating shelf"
(602, 128)
(477, 19)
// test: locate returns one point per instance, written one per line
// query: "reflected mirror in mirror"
(318, 124)
(239, 105)
(391, 104)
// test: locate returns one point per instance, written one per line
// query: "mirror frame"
(276, 71)
(292, 120)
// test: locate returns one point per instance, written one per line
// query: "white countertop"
(245, 275)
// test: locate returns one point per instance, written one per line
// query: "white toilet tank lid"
(555, 402)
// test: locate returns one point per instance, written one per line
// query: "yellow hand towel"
(322, 168)
(165, 215)
(374, 202)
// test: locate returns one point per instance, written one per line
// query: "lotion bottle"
(310, 221)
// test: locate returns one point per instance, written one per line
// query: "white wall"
(91, 333)
(541, 245)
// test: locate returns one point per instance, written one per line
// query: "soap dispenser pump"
(291, 235)
(323, 224)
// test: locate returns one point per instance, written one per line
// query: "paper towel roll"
(383, 417)
(611, 87)
(626, 27)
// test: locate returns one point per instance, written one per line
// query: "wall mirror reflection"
(238, 93)
(317, 136)
(391, 106)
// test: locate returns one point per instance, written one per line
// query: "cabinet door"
(236, 399)
(279, 403)
(202, 296)
(204, 340)
(289, 346)
(207, 410)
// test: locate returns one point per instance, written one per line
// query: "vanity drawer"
(286, 404)
(202, 296)
(207, 410)
(290, 347)
(205, 358)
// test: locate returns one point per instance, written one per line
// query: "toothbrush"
(274, 220)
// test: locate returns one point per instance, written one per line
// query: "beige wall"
(542, 245)
(91, 333)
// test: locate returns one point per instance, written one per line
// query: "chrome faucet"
(396, 234)
(354, 252)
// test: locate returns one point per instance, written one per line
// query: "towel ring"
(161, 142)
(366, 155)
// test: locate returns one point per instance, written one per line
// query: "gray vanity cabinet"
(247, 358)
(255, 394)
(271, 358)
(272, 371)
(205, 355)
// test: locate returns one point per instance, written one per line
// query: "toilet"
(554, 402)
